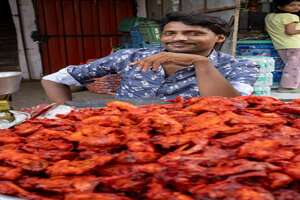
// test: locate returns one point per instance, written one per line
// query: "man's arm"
(210, 81)
(56, 92)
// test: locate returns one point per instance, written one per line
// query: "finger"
(139, 64)
(155, 66)
(134, 63)
(146, 66)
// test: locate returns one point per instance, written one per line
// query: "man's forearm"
(56, 92)
(212, 83)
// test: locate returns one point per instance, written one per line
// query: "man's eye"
(195, 33)
(168, 33)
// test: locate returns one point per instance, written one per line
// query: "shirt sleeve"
(243, 76)
(62, 77)
(111, 64)
(289, 18)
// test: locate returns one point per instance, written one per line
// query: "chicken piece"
(241, 165)
(149, 168)
(99, 150)
(27, 128)
(67, 167)
(127, 157)
(215, 123)
(129, 182)
(11, 138)
(203, 121)
(52, 123)
(183, 177)
(258, 118)
(276, 180)
(96, 196)
(49, 134)
(115, 169)
(162, 124)
(230, 190)
(61, 184)
(244, 177)
(140, 146)
(267, 149)
(257, 193)
(12, 146)
(90, 130)
(286, 194)
(291, 169)
(6, 132)
(260, 102)
(210, 157)
(240, 138)
(123, 106)
(102, 141)
(53, 155)
(291, 108)
(8, 136)
(101, 120)
(9, 188)
(135, 133)
(78, 115)
(296, 123)
(177, 140)
(187, 149)
(48, 145)
(216, 104)
(283, 132)
(25, 161)
(158, 192)
(181, 116)
(10, 173)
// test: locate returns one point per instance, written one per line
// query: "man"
(187, 66)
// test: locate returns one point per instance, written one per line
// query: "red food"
(240, 148)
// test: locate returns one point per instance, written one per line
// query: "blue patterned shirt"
(153, 84)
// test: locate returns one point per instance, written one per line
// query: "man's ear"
(220, 38)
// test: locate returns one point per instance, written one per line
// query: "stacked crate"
(144, 33)
(151, 35)
(262, 86)
(262, 48)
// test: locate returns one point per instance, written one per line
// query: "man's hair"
(214, 23)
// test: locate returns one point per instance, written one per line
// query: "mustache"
(194, 43)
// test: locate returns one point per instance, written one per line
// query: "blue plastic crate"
(277, 77)
(134, 29)
(137, 39)
(256, 50)
(135, 35)
(131, 45)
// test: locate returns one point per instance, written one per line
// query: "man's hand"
(161, 58)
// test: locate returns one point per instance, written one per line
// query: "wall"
(29, 55)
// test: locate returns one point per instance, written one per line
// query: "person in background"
(187, 66)
(284, 29)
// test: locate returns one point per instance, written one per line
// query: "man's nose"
(179, 37)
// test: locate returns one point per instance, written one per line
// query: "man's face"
(181, 38)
